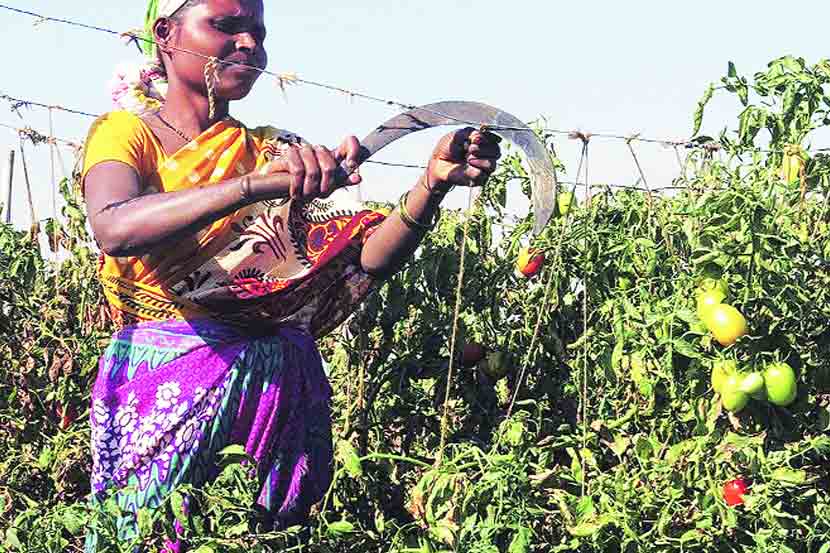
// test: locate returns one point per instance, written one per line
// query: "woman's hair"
(142, 88)
(177, 17)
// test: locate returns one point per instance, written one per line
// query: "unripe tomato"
(529, 262)
(709, 283)
(780, 384)
(564, 202)
(733, 399)
(494, 365)
(721, 370)
(725, 323)
(734, 491)
(752, 383)
(624, 282)
(793, 163)
(472, 353)
(707, 300)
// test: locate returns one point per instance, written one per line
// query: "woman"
(226, 251)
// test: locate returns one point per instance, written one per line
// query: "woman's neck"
(189, 110)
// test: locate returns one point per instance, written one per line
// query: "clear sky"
(596, 65)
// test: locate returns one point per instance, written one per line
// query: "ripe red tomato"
(733, 492)
(529, 262)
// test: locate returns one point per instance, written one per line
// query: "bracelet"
(410, 221)
(245, 187)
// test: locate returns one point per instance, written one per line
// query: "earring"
(211, 68)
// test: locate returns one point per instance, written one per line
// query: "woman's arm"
(464, 158)
(125, 223)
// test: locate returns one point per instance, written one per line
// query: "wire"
(17, 103)
(283, 78)
(36, 137)
(291, 78)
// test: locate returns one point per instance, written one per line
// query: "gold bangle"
(410, 221)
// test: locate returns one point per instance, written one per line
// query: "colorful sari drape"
(216, 340)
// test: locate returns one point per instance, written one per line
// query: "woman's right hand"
(305, 172)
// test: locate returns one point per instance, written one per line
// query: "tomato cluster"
(776, 383)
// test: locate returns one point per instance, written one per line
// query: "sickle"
(542, 173)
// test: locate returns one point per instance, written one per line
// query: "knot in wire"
(585, 137)
(632, 138)
(28, 133)
(286, 79)
(133, 36)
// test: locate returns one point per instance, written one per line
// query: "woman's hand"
(464, 158)
(305, 172)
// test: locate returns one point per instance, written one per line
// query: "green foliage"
(616, 442)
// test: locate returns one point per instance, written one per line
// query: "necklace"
(172, 128)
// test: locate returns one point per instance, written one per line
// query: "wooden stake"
(9, 189)
(28, 186)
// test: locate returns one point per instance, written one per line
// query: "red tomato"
(733, 492)
(67, 414)
(529, 262)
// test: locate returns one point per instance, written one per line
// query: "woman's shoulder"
(121, 136)
(119, 123)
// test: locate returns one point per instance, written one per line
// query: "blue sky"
(594, 65)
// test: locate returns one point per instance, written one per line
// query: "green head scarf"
(157, 9)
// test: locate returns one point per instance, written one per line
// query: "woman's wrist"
(419, 208)
(434, 187)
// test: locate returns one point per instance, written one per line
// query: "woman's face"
(229, 30)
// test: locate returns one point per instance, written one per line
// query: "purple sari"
(170, 395)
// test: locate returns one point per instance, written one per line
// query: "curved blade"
(475, 114)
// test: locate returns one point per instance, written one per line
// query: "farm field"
(658, 381)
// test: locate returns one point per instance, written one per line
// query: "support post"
(10, 183)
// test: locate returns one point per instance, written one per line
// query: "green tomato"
(624, 282)
(495, 365)
(709, 284)
(733, 399)
(707, 300)
(721, 370)
(726, 323)
(564, 202)
(780, 384)
(752, 383)
(760, 395)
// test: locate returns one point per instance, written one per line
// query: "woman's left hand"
(466, 157)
